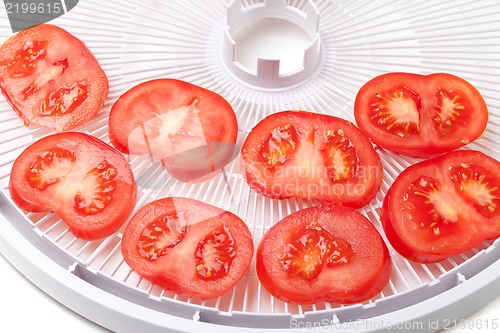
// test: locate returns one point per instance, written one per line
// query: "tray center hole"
(271, 38)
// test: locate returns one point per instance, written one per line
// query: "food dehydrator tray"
(350, 42)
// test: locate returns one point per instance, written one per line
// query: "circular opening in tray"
(272, 44)
(271, 38)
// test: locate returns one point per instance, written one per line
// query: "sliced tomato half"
(188, 247)
(443, 206)
(191, 129)
(85, 181)
(420, 115)
(306, 155)
(325, 253)
(51, 79)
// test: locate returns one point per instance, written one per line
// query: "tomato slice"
(312, 156)
(191, 129)
(324, 253)
(88, 183)
(420, 115)
(443, 206)
(188, 247)
(51, 79)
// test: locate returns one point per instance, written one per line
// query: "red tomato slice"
(306, 155)
(51, 79)
(420, 115)
(188, 247)
(193, 130)
(324, 253)
(88, 183)
(443, 206)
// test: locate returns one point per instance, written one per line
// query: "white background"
(25, 308)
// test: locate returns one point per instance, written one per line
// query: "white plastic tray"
(139, 40)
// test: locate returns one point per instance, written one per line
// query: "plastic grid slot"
(139, 40)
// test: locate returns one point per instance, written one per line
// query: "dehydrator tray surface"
(136, 41)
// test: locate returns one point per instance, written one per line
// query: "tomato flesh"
(281, 143)
(26, 58)
(63, 100)
(324, 253)
(188, 247)
(97, 186)
(311, 248)
(88, 183)
(340, 157)
(51, 79)
(191, 129)
(428, 196)
(449, 112)
(397, 111)
(479, 187)
(98, 189)
(420, 115)
(160, 236)
(214, 254)
(298, 154)
(47, 169)
(443, 206)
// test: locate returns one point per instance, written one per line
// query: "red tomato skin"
(88, 227)
(149, 100)
(374, 267)
(474, 229)
(78, 56)
(428, 144)
(369, 160)
(176, 270)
